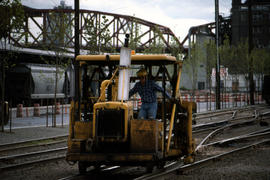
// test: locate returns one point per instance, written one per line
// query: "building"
(58, 29)
(197, 68)
(237, 29)
(260, 22)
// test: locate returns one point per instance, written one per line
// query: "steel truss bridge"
(105, 32)
(39, 24)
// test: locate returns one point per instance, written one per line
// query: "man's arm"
(160, 89)
(133, 90)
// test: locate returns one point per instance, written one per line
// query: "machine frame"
(88, 146)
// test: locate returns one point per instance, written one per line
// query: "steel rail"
(32, 140)
(181, 168)
(203, 130)
(32, 163)
(219, 123)
(4, 158)
(213, 114)
(31, 146)
(213, 133)
(238, 138)
(227, 111)
(255, 118)
(214, 125)
(231, 109)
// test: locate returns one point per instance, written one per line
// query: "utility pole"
(218, 60)
(250, 47)
(76, 64)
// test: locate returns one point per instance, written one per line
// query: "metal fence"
(206, 100)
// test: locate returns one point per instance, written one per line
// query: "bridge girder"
(38, 25)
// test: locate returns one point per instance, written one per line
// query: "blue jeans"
(148, 111)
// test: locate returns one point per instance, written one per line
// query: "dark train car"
(30, 83)
(266, 89)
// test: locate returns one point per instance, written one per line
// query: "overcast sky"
(178, 15)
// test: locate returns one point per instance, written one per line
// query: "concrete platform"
(23, 134)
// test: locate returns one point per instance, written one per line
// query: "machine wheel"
(161, 165)
(267, 101)
(82, 167)
(97, 167)
(149, 168)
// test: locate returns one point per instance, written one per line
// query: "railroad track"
(239, 135)
(226, 137)
(179, 168)
(208, 123)
(226, 113)
(31, 152)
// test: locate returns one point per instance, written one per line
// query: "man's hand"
(174, 100)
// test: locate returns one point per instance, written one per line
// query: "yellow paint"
(174, 107)
(134, 58)
(145, 134)
(189, 106)
(83, 130)
(104, 86)
(95, 157)
(113, 105)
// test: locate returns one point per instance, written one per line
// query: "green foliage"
(261, 60)
(157, 45)
(12, 21)
(97, 35)
(192, 64)
(226, 53)
(58, 29)
(211, 56)
(176, 51)
(235, 58)
(155, 48)
(134, 35)
(240, 60)
(12, 17)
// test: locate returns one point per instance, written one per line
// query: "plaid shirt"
(147, 91)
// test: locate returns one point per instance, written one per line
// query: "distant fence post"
(36, 110)
(19, 110)
(57, 108)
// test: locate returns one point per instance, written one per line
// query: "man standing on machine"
(147, 90)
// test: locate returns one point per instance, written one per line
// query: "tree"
(134, 35)
(97, 35)
(210, 60)
(58, 28)
(192, 64)
(12, 18)
(261, 60)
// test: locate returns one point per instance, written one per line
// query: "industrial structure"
(144, 34)
(37, 40)
(260, 22)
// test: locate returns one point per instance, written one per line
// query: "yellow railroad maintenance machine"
(104, 129)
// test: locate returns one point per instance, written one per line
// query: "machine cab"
(104, 128)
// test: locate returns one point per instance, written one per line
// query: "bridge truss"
(99, 31)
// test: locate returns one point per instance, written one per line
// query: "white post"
(124, 76)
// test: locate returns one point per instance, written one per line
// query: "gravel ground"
(53, 170)
(251, 164)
